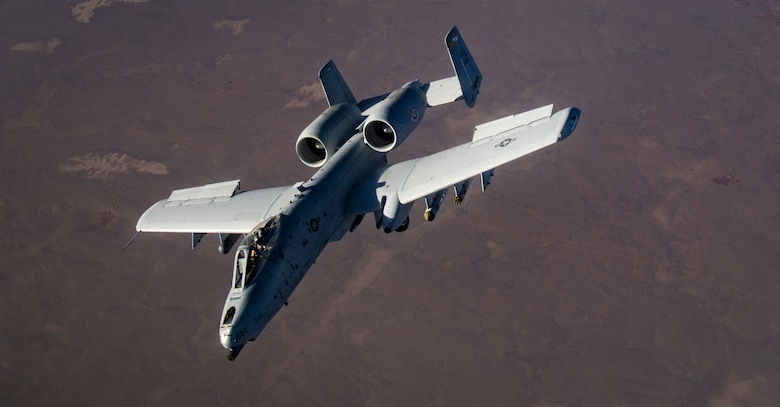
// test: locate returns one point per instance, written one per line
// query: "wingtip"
(571, 123)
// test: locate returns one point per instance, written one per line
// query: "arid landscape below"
(635, 264)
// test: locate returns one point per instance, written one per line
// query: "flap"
(503, 124)
(217, 191)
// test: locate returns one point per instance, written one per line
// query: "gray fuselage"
(314, 217)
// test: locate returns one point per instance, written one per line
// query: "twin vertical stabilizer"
(336, 89)
(464, 85)
(466, 69)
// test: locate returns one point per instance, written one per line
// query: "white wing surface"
(494, 143)
(215, 208)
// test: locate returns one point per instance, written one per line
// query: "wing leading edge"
(494, 144)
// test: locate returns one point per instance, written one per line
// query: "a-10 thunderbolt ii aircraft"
(283, 230)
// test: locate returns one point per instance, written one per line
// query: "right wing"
(495, 143)
(215, 208)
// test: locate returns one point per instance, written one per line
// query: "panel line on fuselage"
(303, 230)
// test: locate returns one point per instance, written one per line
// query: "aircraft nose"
(232, 337)
(226, 338)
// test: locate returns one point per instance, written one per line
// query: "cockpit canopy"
(254, 251)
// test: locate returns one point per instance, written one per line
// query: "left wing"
(494, 143)
(215, 208)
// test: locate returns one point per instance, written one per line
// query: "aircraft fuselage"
(314, 217)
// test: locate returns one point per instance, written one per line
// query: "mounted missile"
(433, 204)
(460, 191)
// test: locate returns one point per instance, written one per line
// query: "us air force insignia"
(505, 142)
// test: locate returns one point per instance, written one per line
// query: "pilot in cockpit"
(239, 272)
(260, 240)
(254, 259)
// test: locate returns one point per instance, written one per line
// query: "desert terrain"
(635, 264)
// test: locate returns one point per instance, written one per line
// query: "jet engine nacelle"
(320, 139)
(391, 121)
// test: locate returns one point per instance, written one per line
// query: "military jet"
(281, 231)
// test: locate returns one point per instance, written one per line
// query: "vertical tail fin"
(336, 89)
(468, 73)
(465, 83)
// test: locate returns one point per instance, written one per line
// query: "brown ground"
(609, 270)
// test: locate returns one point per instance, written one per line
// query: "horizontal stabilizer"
(443, 91)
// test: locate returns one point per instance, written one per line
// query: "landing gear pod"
(404, 226)
(394, 215)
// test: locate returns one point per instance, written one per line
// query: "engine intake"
(323, 137)
(391, 121)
